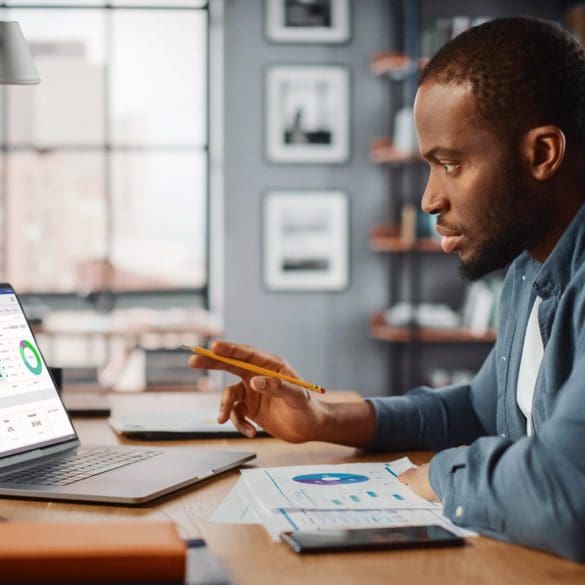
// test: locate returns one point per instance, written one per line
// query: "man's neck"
(563, 217)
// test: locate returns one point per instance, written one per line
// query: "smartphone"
(396, 537)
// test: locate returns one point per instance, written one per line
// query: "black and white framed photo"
(308, 21)
(306, 240)
(308, 114)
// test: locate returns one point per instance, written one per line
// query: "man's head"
(497, 110)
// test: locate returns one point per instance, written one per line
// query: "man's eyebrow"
(439, 151)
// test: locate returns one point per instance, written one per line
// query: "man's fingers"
(406, 476)
(238, 417)
(230, 396)
(244, 353)
(247, 353)
(200, 362)
(295, 396)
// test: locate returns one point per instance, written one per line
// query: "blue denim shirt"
(488, 473)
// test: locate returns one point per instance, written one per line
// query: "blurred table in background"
(115, 343)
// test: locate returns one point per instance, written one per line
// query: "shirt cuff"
(397, 424)
(441, 470)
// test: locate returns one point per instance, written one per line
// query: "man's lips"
(450, 240)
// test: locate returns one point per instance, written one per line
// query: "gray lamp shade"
(16, 64)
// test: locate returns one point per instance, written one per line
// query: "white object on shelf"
(478, 308)
(132, 378)
(429, 315)
(404, 139)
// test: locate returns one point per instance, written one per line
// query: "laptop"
(156, 426)
(41, 456)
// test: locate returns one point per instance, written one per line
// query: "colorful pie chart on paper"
(330, 478)
(31, 358)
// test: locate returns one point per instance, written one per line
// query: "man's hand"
(284, 410)
(418, 481)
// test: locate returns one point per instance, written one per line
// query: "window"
(104, 169)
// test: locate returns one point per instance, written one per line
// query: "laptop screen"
(31, 413)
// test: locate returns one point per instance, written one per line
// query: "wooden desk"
(251, 557)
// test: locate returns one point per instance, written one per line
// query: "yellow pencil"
(252, 368)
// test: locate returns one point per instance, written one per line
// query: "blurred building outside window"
(104, 179)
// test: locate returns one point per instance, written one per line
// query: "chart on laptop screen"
(30, 410)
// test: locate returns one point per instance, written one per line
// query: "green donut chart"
(33, 363)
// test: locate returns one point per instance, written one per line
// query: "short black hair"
(524, 72)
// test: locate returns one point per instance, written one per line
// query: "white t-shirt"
(532, 352)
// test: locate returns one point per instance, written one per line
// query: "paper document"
(399, 466)
(354, 486)
(235, 508)
(312, 520)
(252, 498)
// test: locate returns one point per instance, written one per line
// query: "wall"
(324, 335)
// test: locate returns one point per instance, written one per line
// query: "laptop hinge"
(12, 460)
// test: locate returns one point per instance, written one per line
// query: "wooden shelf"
(386, 238)
(397, 66)
(380, 330)
(382, 151)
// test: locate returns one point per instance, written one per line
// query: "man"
(500, 116)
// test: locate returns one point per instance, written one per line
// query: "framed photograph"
(308, 21)
(306, 240)
(308, 114)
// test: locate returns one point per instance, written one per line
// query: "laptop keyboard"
(85, 462)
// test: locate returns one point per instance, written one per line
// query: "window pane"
(55, 219)
(67, 107)
(3, 275)
(159, 220)
(158, 82)
(3, 97)
(57, 2)
(165, 3)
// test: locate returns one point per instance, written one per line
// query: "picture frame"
(308, 114)
(306, 240)
(308, 21)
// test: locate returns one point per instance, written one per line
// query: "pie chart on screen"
(31, 358)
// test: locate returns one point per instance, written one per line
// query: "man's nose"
(433, 201)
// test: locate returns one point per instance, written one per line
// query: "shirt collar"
(568, 254)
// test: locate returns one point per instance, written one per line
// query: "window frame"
(108, 148)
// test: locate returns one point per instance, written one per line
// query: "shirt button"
(459, 511)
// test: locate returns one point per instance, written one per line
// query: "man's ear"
(543, 149)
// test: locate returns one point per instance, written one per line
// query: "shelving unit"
(397, 66)
(380, 330)
(407, 250)
(383, 151)
(387, 238)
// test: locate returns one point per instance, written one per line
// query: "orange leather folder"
(98, 552)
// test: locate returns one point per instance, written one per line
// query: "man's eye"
(449, 168)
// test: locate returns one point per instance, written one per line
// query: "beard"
(516, 221)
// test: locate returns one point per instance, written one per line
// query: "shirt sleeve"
(431, 419)
(531, 491)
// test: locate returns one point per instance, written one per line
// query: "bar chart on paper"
(359, 486)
